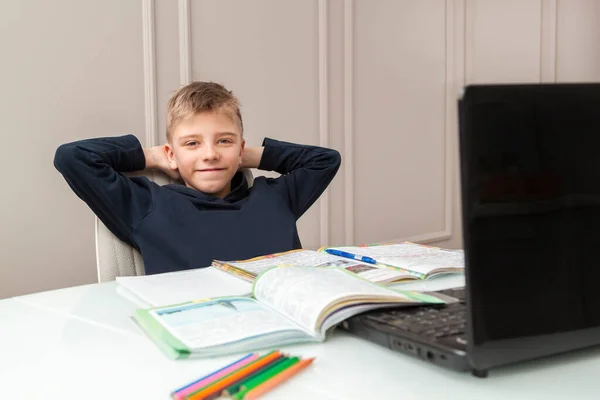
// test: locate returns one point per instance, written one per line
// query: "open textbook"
(288, 305)
(421, 261)
(251, 268)
(391, 263)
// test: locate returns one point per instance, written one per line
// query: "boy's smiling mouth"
(211, 169)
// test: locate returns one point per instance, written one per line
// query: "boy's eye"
(191, 143)
(225, 141)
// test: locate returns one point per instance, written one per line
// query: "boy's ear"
(170, 156)
(242, 147)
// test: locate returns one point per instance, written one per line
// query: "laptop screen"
(530, 178)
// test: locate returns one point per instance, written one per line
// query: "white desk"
(63, 343)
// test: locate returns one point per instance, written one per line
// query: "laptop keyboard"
(430, 321)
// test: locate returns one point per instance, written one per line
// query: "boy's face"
(207, 150)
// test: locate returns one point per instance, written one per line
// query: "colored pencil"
(277, 379)
(179, 394)
(264, 377)
(225, 393)
(243, 378)
(235, 387)
(221, 384)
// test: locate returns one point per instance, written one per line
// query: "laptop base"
(435, 334)
(455, 360)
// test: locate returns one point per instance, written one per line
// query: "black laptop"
(530, 185)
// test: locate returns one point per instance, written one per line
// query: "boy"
(214, 215)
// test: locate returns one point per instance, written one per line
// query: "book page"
(183, 286)
(206, 324)
(310, 258)
(304, 294)
(411, 256)
(432, 285)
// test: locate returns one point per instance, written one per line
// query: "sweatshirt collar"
(239, 190)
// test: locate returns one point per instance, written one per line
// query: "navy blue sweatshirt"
(175, 227)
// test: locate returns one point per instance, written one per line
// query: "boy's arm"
(306, 171)
(252, 156)
(93, 168)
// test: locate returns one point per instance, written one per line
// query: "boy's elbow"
(336, 159)
(64, 157)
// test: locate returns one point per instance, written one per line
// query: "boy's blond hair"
(199, 97)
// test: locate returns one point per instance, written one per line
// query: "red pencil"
(277, 379)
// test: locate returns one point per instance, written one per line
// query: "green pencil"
(265, 376)
(231, 390)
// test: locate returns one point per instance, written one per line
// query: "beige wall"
(376, 79)
(69, 69)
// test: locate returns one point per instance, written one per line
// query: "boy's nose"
(210, 153)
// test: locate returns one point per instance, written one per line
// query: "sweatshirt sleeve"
(93, 167)
(305, 170)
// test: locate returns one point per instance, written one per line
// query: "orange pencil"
(277, 379)
(228, 380)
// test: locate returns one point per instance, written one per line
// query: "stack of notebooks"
(280, 299)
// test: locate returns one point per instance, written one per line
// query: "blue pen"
(350, 255)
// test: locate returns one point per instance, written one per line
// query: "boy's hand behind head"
(156, 159)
